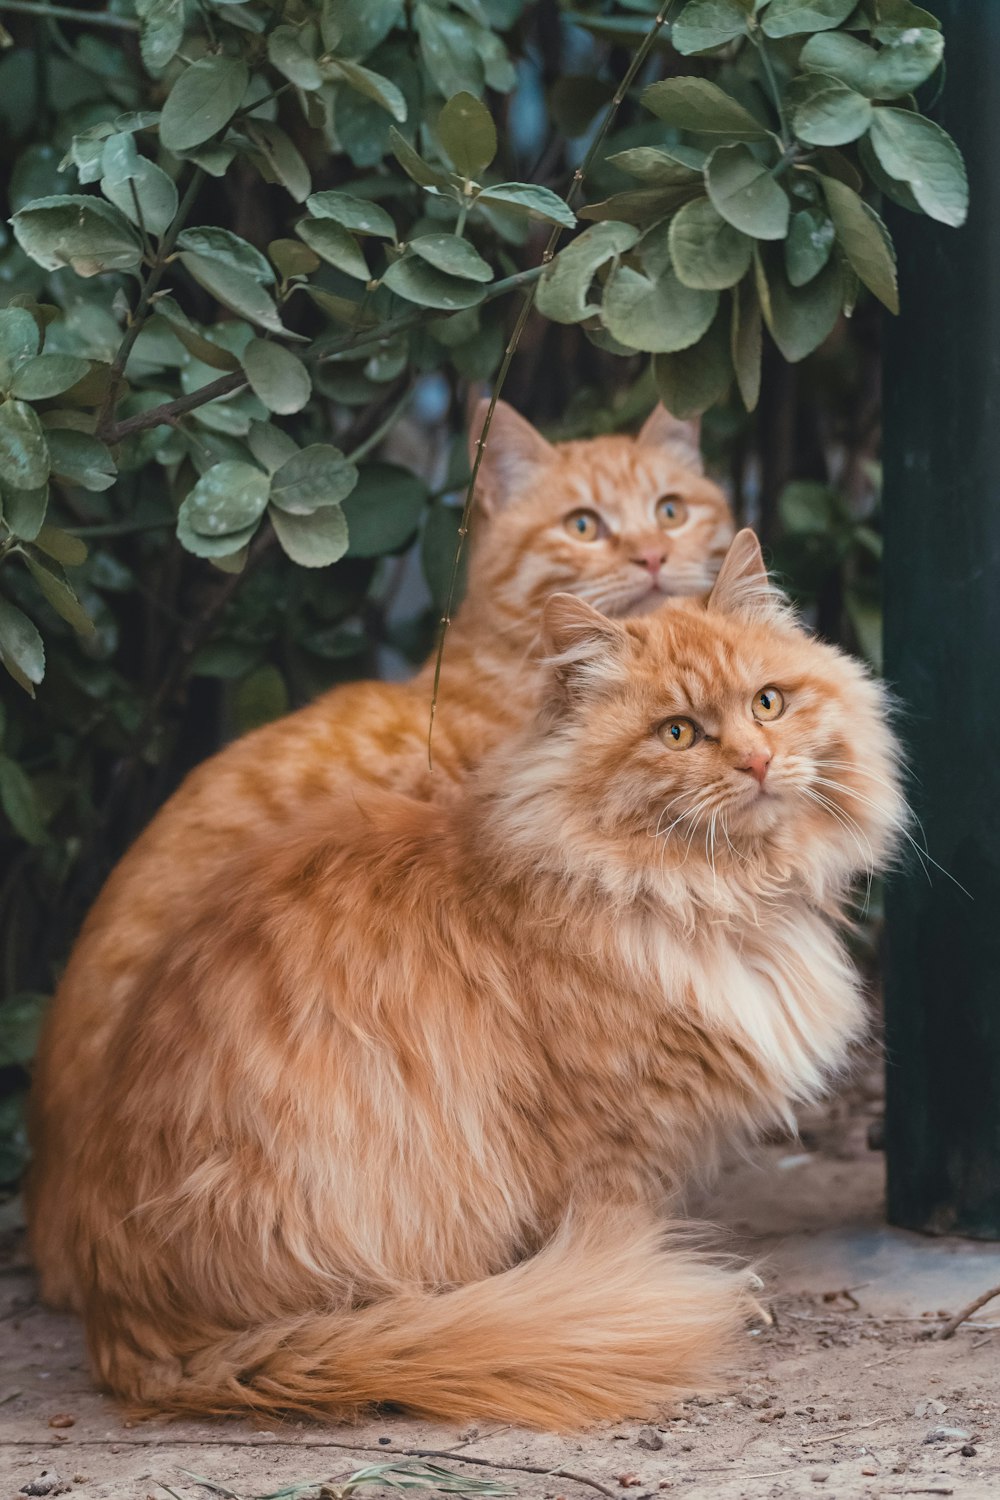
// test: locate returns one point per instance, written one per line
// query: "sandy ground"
(844, 1395)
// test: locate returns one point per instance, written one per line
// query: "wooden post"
(942, 640)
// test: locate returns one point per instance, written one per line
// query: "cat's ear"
(681, 439)
(514, 456)
(743, 587)
(580, 643)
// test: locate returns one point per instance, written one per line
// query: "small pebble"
(968, 1451)
(62, 1419)
(650, 1438)
(385, 1441)
(819, 1476)
(947, 1435)
(629, 1481)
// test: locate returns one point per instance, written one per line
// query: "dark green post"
(942, 643)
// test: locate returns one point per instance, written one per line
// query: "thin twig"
(947, 1330)
(67, 13)
(496, 1463)
(575, 187)
(834, 1437)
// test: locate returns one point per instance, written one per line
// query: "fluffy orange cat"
(393, 1110)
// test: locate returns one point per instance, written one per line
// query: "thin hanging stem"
(575, 188)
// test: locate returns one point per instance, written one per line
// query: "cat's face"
(621, 522)
(707, 735)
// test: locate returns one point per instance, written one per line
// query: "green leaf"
(695, 104)
(896, 16)
(312, 541)
(693, 379)
(839, 56)
(202, 101)
(277, 376)
(865, 241)
(384, 510)
(373, 86)
(707, 252)
(828, 113)
(810, 240)
(312, 479)
(24, 511)
(24, 455)
(283, 157)
(82, 232)
(466, 130)
(359, 215)
(800, 318)
(21, 649)
(293, 259)
(335, 245)
(421, 172)
(228, 498)
(270, 446)
(525, 198)
(914, 150)
(563, 288)
(451, 254)
(48, 375)
(228, 249)
(71, 551)
(449, 53)
(234, 289)
(81, 459)
(20, 804)
(19, 341)
(140, 189)
(745, 193)
(21, 1015)
(679, 167)
(162, 31)
(260, 698)
(905, 62)
(287, 52)
(704, 24)
(745, 343)
(792, 17)
(896, 192)
(226, 545)
(59, 594)
(658, 316)
(643, 207)
(419, 282)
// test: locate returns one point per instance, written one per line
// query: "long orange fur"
(393, 1110)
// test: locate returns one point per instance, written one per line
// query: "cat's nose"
(756, 762)
(651, 561)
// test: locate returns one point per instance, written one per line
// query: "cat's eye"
(584, 525)
(768, 704)
(679, 734)
(671, 512)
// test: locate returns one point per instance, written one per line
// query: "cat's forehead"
(616, 474)
(710, 658)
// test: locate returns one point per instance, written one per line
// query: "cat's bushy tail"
(604, 1322)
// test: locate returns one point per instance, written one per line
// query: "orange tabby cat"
(392, 1110)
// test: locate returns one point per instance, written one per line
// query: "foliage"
(260, 254)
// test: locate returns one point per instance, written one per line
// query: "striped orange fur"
(393, 1108)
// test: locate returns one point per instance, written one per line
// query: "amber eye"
(584, 525)
(671, 512)
(768, 704)
(679, 734)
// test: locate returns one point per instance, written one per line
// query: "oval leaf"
(24, 453)
(419, 282)
(276, 376)
(358, 215)
(82, 232)
(455, 256)
(335, 245)
(707, 253)
(228, 498)
(657, 317)
(21, 649)
(704, 24)
(81, 459)
(745, 193)
(563, 288)
(384, 510)
(914, 150)
(235, 290)
(140, 189)
(829, 113)
(48, 375)
(526, 198)
(865, 241)
(312, 541)
(313, 478)
(792, 17)
(695, 104)
(466, 130)
(202, 101)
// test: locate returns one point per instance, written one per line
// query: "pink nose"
(652, 561)
(757, 764)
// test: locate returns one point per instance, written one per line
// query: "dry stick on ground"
(947, 1329)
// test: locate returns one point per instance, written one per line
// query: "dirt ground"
(843, 1395)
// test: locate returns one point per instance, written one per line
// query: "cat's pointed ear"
(579, 642)
(743, 587)
(514, 456)
(681, 439)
